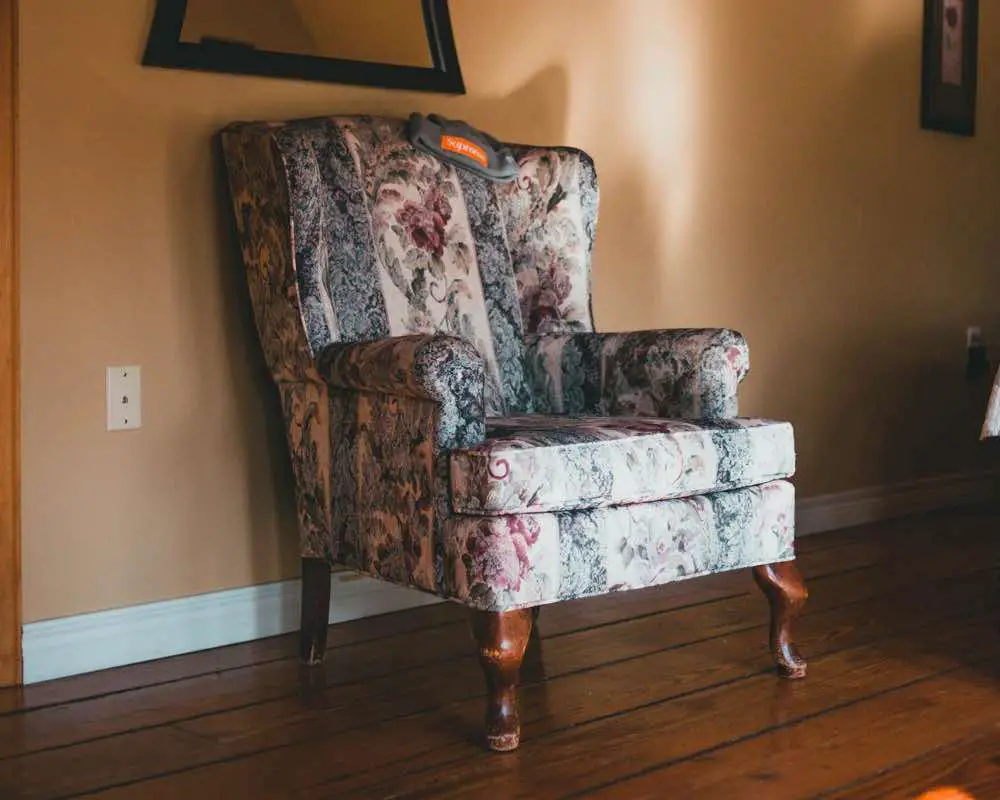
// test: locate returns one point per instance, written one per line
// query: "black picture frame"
(164, 48)
(948, 100)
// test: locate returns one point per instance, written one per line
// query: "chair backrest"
(349, 233)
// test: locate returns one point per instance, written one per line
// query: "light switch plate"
(124, 398)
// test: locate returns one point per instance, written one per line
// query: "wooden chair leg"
(786, 592)
(315, 610)
(502, 638)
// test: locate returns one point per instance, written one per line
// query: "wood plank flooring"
(663, 693)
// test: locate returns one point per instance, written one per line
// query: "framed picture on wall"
(950, 66)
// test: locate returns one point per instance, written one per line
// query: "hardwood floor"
(664, 693)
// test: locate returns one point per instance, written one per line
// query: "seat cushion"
(521, 560)
(541, 462)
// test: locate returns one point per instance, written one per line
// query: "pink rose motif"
(503, 561)
(425, 222)
(546, 298)
(737, 360)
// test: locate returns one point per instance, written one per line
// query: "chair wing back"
(550, 215)
(349, 233)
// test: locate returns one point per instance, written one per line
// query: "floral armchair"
(455, 423)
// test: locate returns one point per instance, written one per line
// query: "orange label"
(456, 144)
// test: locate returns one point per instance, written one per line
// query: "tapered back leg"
(315, 610)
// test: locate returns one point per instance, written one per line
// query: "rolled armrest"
(685, 372)
(442, 369)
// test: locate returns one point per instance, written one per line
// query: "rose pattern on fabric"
(558, 463)
(591, 552)
(388, 501)
(424, 242)
(551, 213)
(425, 222)
(686, 372)
(403, 305)
(443, 369)
(549, 296)
(504, 562)
(399, 406)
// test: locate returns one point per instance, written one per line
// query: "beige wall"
(761, 168)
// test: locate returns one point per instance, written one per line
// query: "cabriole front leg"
(502, 637)
(786, 592)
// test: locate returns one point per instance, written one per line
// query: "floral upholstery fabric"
(441, 260)
(306, 408)
(506, 562)
(389, 495)
(558, 463)
(403, 306)
(399, 406)
(551, 215)
(260, 197)
(991, 423)
(443, 369)
(378, 239)
(671, 373)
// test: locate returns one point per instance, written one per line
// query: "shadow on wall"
(221, 310)
(268, 462)
(249, 371)
(633, 268)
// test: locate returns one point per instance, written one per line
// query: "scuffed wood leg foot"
(502, 638)
(787, 594)
(315, 610)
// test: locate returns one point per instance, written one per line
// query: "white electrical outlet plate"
(973, 336)
(124, 398)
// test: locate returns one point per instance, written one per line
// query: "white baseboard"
(88, 642)
(829, 512)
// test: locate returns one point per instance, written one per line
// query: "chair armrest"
(443, 369)
(685, 372)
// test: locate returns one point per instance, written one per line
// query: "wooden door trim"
(10, 381)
